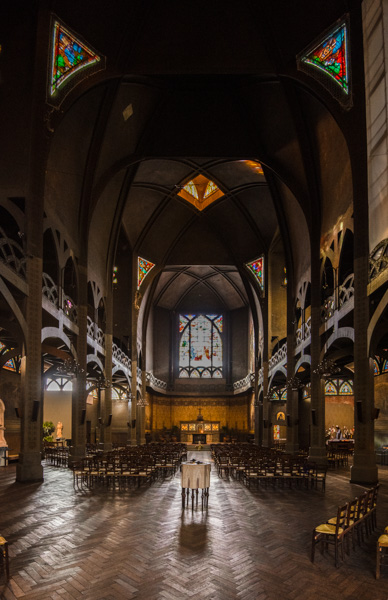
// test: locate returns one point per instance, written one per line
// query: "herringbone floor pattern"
(119, 545)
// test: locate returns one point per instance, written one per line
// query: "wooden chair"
(4, 554)
(382, 552)
(331, 534)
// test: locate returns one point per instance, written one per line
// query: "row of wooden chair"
(119, 469)
(57, 456)
(266, 465)
(354, 518)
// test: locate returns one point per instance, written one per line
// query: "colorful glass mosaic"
(143, 268)
(330, 56)
(330, 389)
(384, 368)
(257, 268)
(191, 189)
(10, 365)
(284, 395)
(69, 55)
(200, 191)
(200, 346)
(306, 393)
(376, 368)
(276, 432)
(210, 189)
(346, 389)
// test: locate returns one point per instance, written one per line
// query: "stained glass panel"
(215, 427)
(284, 395)
(218, 322)
(330, 56)
(10, 365)
(346, 389)
(257, 268)
(191, 189)
(69, 55)
(184, 427)
(207, 427)
(330, 389)
(192, 427)
(276, 432)
(200, 346)
(210, 189)
(143, 268)
(376, 368)
(384, 368)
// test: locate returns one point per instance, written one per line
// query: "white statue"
(3, 443)
(59, 429)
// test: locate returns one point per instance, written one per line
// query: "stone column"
(78, 397)
(267, 436)
(317, 452)
(29, 467)
(364, 469)
(292, 444)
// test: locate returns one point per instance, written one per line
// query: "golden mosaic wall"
(168, 411)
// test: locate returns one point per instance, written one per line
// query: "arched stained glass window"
(284, 395)
(376, 368)
(346, 389)
(200, 346)
(384, 368)
(330, 388)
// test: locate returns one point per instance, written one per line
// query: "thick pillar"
(29, 467)
(267, 432)
(292, 444)
(78, 398)
(364, 469)
(317, 452)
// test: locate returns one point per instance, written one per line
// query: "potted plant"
(48, 429)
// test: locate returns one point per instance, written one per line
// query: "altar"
(200, 432)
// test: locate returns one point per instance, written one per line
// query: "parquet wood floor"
(119, 545)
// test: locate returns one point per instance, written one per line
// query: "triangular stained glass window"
(210, 189)
(200, 191)
(10, 365)
(257, 268)
(330, 389)
(69, 55)
(328, 60)
(143, 268)
(191, 189)
(346, 389)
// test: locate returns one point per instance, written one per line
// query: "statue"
(59, 429)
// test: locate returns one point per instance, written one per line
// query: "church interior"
(194, 255)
